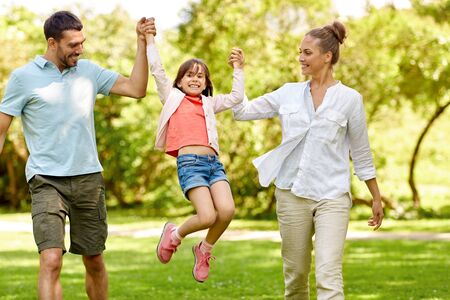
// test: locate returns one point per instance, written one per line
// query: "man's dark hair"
(59, 22)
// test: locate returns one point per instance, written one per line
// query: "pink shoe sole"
(195, 263)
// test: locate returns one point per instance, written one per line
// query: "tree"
(439, 10)
(405, 60)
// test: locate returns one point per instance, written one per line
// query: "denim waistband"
(203, 157)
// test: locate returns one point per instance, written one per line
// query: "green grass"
(133, 219)
(242, 270)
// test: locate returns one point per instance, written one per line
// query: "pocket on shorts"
(42, 225)
(186, 161)
(36, 183)
(101, 203)
(38, 214)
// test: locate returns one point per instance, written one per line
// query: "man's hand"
(140, 34)
(147, 29)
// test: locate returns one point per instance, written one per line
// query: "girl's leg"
(224, 206)
(201, 199)
(331, 222)
(171, 236)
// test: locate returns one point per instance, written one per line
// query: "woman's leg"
(296, 229)
(224, 206)
(331, 221)
(201, 199)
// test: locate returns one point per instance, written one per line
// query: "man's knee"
(51, 259)
(94, 263)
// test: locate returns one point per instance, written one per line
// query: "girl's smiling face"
(193, 81)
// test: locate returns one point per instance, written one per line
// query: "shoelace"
(204, 259)
(172, 247)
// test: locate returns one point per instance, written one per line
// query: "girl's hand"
(149, 26)
(377, 215)
(236, 58)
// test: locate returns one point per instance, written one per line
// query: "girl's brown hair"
(194, 64)
(330, 36)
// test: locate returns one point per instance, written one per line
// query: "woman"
(323, 121)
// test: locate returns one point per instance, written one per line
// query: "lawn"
(375, 269)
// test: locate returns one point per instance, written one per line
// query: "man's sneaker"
(166, 247)
(201, 263)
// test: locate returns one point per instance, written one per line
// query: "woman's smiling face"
(311, 58)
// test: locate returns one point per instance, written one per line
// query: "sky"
(166, 12)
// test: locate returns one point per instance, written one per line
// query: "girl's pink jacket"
(171, 98)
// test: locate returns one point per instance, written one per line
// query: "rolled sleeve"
(263, 107)
(359, 143)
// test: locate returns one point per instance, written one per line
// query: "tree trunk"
(387, 202)
(12, 184)
(412, 164)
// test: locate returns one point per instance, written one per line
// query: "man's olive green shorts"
(82, 199)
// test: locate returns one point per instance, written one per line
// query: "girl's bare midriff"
(196, 149)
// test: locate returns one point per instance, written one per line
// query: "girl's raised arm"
(163, 82)
(225, 101)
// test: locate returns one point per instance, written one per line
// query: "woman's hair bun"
(338, 30)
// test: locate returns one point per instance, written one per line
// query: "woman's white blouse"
(313, 159)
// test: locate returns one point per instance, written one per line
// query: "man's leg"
(49, 210)
(96, 277)
(49, 284)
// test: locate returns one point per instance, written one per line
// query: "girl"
(323, 121)
(187, 131)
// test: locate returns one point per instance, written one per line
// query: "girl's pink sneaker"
(166, 246)
(200, 270)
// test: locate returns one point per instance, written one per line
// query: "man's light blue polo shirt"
(57, 112)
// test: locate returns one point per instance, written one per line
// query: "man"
(55, 96)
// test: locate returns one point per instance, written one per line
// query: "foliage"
(21, 39)
(396, 70)
(398, 60)
(438, 9)
(408, 69)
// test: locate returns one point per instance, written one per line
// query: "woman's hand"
(377, 214)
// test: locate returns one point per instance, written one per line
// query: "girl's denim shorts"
(199, 170)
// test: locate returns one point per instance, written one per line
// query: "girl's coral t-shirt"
(187, 126)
